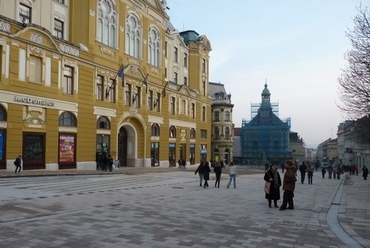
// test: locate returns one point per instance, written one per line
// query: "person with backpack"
(18, 164)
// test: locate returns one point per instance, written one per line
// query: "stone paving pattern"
(134, 207)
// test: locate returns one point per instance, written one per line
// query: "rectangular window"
(175, 77)
(203, 134)
(58, 28)
(68, 80)
(150, 100)
(193, 110)
(25, 13)
(204, 113)
(112, 90)
(185, 81)
(203, 65)
(175, 55)
(172, 105)
(137, 99)
(185, 60)
(217, 116)
(157, 102)
(100, 88)
(128, 94)
(203, 88)
(35, 69)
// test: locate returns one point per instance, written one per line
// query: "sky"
(296, 46)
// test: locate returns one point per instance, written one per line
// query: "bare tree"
(354, 82)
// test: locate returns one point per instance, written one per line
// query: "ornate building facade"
(222, 124)
(81, 78)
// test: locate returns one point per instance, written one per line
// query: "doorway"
(122, 146)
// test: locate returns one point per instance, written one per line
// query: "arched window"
(67, 119)
(2, 114)
(192, 133)
(107, 23)
(133, 36)
(103, 123)
(155, 129)
(154, 47)
(172, 132)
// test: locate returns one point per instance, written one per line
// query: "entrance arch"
(127, 146)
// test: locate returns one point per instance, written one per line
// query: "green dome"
(265, 91)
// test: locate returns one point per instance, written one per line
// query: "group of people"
(273, 177)
(182, 164)
(105, 162)
(306, 168)
(204, 170)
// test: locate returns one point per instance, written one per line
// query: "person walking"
(273, 176)
(365, 172)
(103, 161)
(183, 163)
(288, 185)
(207, 170)
(323, 172)
(110, 163)
(309, 173)
(302, 169)
(18, 164)
(217, 170)
(233, 174)
(200, 171)
(330, 171)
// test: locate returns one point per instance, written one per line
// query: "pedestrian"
(273, 176)
(330, 171)
(183, 163)
(18, 164)
(103, 160)
(233, 174)
(335, 172)
(207, 170)
(365, 172)
(309, 171)
(302, 169)
(323, 172)
(200, 171)
(282, 168)
(288, 186)
(110, 163)
(217, 170)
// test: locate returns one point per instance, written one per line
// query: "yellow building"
(89, 77)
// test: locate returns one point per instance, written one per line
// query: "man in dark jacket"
(18, 164)
(200, 171)
(302, 169)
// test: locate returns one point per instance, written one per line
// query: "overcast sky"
(298, 46)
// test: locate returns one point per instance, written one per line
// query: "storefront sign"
(66, 148)
(34, 101)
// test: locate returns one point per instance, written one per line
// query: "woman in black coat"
(218, 171)
(206, 172)
(272, 176)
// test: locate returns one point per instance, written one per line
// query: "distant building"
(222, 124)
(265, 139)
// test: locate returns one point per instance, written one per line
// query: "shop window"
(103, 123)
(172, 132)
(155, 129)
(67, 119)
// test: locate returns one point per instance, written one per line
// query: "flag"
(121, 75)
(145, 82)
(163, 93)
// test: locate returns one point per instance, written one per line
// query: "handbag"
(267, 187)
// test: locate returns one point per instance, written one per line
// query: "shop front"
(33, 151)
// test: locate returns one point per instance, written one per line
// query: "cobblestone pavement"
(139, 208)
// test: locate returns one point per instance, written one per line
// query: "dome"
(265, 91)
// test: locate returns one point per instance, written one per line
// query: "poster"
(1, 145)
(66, 148)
